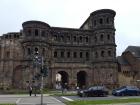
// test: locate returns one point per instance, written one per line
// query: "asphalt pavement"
(30, 100)
(47, 100)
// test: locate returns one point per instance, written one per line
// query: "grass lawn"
(89, 102)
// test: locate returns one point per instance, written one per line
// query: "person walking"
(35, 89)
(30, 90)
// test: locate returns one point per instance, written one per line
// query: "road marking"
(18, 100)
(29, 104)
(124, 98)
(67, 98)
(56, 99)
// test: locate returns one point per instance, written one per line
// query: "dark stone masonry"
(83, 57)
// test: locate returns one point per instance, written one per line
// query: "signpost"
(42, 90)
(43, 72)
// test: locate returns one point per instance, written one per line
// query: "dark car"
(126, 91)
(94, 91)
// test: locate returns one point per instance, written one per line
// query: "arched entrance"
(81, 79)
(62, 77)
(19, 76)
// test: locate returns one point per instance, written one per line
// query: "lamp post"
(35, 68)
(43, 71)
(38, 60)
(42, 63)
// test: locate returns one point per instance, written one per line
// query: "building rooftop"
(135, 50)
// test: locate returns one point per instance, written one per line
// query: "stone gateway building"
(76, 57)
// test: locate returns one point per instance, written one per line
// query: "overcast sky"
(72, 14)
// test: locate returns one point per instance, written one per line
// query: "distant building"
(129, 66)
(83, 57)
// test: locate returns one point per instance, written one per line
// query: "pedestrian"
(30, 90)
(35, 89)
(62, 88)
(65, 87)
(78, 89)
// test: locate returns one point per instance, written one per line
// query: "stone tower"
(103, 46)
(35, 36)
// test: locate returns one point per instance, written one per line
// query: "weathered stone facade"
(84, 56)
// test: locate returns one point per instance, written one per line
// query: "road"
(73, 98)
(49, 100)
(29, 100)
(98, 98)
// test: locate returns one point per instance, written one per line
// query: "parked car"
(94, 91)
(126, 91)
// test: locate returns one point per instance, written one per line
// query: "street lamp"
(38, 60)
(42, 82)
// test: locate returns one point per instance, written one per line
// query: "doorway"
(81, 79)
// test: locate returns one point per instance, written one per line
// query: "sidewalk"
(30, 100)
(47, 100)
(20, 95)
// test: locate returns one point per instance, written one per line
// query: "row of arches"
(36, 32)
(104, 37)
(71, 38)
(29, 50)
(103, 20)
(105, 53)
(62, 79)
(71, 54)
(22, 74)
